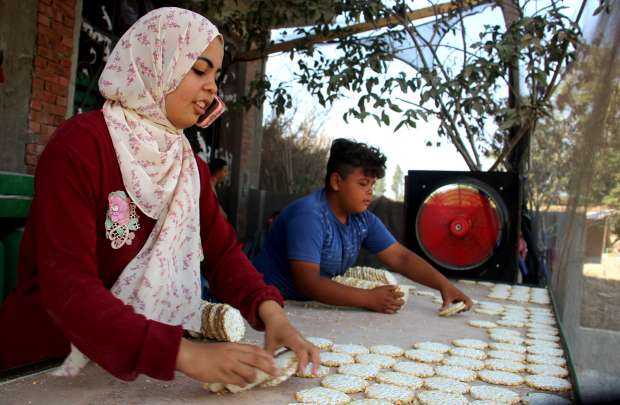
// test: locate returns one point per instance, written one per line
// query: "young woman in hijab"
(123, 215)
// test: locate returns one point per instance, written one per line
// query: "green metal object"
(1, 273)
(16, 184)
(11, 258)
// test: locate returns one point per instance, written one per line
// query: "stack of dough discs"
(349, 384)
(506, 355)
(547, 383)
(366, 371)
(507, 347)
(371, 274)
(507, 338)
(457, 373)
(387, 350)
(376, 359)
(370, 401)
(545, 351)
(414, 369)
(357, 282)
(321, 371)
(440, 398)
(464, 362)
(424, 356)
(544, 330)
(472, 343)
(468, 352)
(487, 311)
(321, 343)
(511, 322)
(465, 281)
(505, 365)
(542, 343)
(543, 336)
(495, 394)
(540, 398)
(394, 393)
(285, 362)
(477, 323)
(222, 322)
(320, 395)
(453, 309)
(432, 347)
(504, 331)
(541, 359)
(335, 359)
(349, 349)
(547, 369)
(500, 377)
(400, 379)
(446, 385)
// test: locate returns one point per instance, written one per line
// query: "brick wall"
(52, 73)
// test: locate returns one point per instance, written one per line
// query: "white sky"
(407, 147)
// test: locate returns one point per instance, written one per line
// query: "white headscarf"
(157, 164)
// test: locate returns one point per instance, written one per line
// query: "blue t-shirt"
(308, 230)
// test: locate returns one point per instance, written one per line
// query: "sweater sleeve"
(232, 277)
(100, 325)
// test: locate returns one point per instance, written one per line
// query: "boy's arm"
(308, 281)
(412, 266)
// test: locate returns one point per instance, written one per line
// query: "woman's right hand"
(228, 363)
(386, 299)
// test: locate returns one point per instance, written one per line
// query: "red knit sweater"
(67, 265)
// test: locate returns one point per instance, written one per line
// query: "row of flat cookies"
(467, 362)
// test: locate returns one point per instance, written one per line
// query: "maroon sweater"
(67, 266)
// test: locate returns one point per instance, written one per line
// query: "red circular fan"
(459, 226)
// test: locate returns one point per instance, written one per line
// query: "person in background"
(319, 237)
(219, 171)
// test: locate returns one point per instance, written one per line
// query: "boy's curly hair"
(345, 156)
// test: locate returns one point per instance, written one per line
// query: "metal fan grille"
(460, 225)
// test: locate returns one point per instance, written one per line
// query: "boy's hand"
(451, 294)
(228, 363)
(280, 333)
(386, 299)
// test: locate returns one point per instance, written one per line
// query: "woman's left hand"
(280, 333)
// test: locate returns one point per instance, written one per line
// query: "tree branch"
(442, 8)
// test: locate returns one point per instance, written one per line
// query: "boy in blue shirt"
(319, 236)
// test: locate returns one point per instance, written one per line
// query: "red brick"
(56, 88)
(45, 2)
(67, 9)
(41, 117)
(31, 160)
(46, 52)
(67, 41)
(44, 9)
(35, 127)
(36, 105)
(63, 81)
(61, 101)
(44, 96)
(37, 84)
(43, 20)
(40, 62)
(46, 132)
(57, 119)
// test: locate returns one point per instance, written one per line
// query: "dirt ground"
(418, 321)
(600, 307)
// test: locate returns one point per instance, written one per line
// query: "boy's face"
(355, 190)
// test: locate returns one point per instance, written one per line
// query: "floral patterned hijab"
(157, 164)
